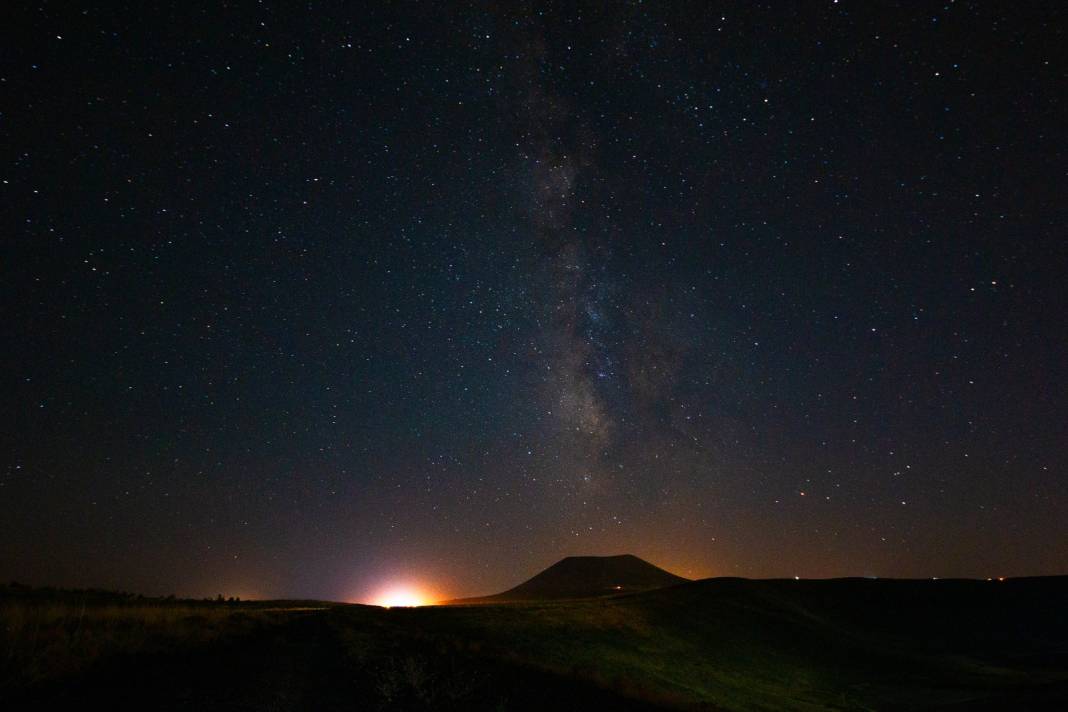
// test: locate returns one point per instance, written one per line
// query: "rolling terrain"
(714, 644)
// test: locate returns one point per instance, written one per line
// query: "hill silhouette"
(744, 644)
(724, 644)
(586, 577)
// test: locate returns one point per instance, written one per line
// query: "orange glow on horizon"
(403, 596)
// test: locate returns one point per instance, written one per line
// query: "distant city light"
(401, 596)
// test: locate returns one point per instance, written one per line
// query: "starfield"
(533, 355)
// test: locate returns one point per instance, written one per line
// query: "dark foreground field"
(715, 644)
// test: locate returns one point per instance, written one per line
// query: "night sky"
(303, 299)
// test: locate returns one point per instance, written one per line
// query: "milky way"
(312, 301)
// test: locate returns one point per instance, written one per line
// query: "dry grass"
(41, 640)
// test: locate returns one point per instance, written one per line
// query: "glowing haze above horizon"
(367, 305)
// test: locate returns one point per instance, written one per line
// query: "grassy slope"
(736, 644)
(715, 644)
(52, 635)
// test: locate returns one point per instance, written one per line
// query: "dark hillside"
(809, 644)
(714, 644)
(587, 577)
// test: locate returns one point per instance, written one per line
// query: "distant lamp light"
(401, 597)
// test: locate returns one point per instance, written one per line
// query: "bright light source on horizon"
(401, 596)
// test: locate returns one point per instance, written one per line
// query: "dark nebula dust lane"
(317, 301)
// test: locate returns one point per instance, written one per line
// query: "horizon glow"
(402, 596)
